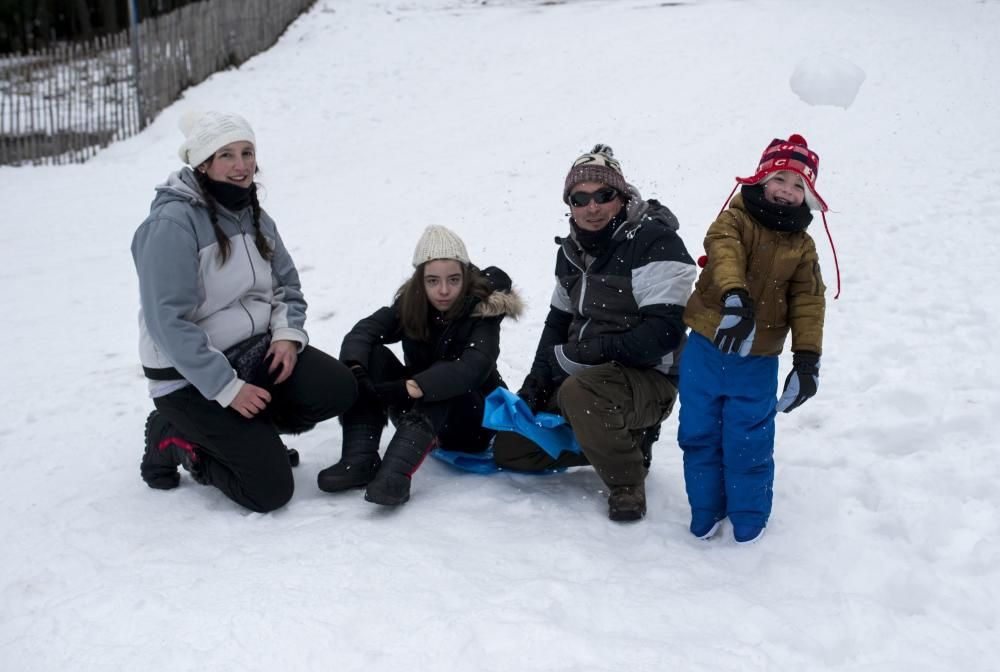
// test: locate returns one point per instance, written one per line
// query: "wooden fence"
(62, 104)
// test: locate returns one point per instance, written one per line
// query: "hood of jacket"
(181, 185)
(503, 301)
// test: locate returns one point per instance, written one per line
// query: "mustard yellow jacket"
(780, 272)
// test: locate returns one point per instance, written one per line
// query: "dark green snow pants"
(609, 407)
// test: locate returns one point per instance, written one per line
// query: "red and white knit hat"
(792, 154)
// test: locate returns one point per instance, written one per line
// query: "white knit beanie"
(205, 132)
(439, 242)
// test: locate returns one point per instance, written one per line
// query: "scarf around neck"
(230, 196)
(773, 216)
(595, 243)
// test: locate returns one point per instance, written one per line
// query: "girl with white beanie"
(222, 335)
(447, 316)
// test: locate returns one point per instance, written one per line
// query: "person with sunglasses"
(222, 336)
(607, 358)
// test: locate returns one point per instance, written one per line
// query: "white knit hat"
(439, 242)
(205, 132)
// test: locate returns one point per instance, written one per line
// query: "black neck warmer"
(230, 196)
(771, 215)
(596, 243)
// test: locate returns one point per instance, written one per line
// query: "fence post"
(133, 15)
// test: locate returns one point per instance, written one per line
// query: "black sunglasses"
(601, 196)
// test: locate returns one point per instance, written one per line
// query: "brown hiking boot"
(627, 502)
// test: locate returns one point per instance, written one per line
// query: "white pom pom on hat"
(207, 131)
(439, 242)
(188, 120)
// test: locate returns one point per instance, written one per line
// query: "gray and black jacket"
(191, 307)
(624, 306)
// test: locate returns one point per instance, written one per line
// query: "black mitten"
(534, 394)
(366, 388)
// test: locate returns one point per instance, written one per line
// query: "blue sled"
(505, 411)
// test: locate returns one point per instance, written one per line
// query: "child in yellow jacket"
(760, 281)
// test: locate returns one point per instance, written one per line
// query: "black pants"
(457, 422)
(246, 459)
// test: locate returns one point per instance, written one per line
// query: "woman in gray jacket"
(221, 327)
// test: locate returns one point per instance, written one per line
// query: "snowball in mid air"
(827, 80)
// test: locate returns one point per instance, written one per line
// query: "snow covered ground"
(377, 118)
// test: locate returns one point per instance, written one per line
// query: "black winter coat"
(460, 357)
(625, 306)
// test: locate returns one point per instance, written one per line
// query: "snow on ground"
(375, 119)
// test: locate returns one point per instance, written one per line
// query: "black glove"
(366, 388)
(801, 383)
(393, 393)
(534, 393)
(737, 328)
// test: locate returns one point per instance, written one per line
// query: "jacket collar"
(182, 185)
(626, 229)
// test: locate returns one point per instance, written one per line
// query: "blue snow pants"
(726, 430)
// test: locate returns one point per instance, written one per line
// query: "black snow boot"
(358, 459)
(627, 502)
(407, 449)
(165, 451)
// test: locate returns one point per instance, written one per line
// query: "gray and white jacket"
(191, 307)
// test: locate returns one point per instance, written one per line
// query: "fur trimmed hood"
(507, 303)
(503, 300)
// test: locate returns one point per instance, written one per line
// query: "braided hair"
(260, 241)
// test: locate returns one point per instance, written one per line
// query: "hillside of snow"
(376, 118)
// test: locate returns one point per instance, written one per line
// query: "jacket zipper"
(438, 351)
(253, 273)
(583, 292)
